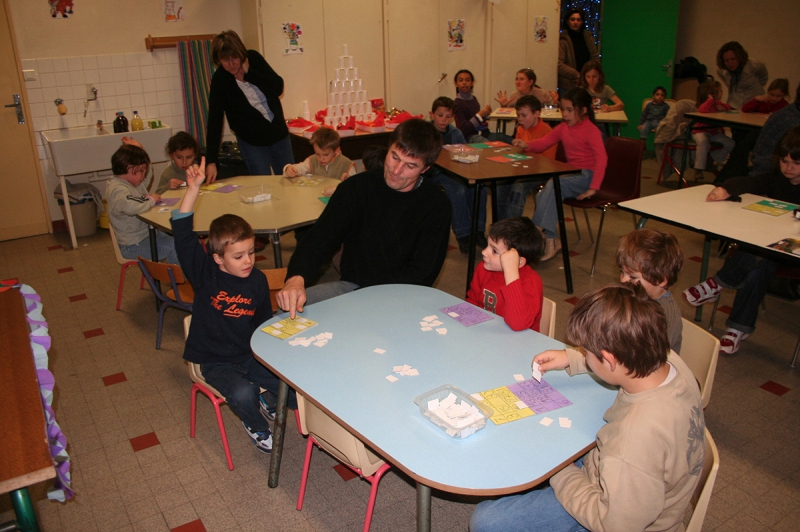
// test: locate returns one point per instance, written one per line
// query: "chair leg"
(121, 284)
(635, 223)
(306, 467)
(142, 283)
(713, 314)
(161, 312)
(796, 351)
(588, 225)
(373, 494)
(223, 433)
(575, 221)
(193, 415)
(597, 244)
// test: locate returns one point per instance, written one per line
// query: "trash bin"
(84, 216)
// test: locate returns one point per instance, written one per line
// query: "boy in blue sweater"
(231, 300)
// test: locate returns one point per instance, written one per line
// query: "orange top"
(536, 132)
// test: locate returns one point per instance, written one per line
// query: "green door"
(638, 41)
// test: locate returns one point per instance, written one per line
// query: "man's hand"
(211, 172)
(292, 296)
(552, 359)
(588, 194)
(718, 194)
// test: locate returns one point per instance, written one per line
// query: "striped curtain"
(196, 71)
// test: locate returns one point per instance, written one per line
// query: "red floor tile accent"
(194, 526)
(66, 270)
(53, 248)
(93, 333)
(725, 309)
(345, 472)
(145, 441)
(573, 253)
(451, 248)
(774, 387)
(79, 297)
(696, 259)
(108, 380)
(259, 258)
(572, 300)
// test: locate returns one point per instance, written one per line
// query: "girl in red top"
(583, 146)
(708, 101)
(773, 100)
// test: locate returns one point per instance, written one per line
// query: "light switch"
(29, 74)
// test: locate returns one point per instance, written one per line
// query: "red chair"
(621, 183)
(125, 263)
(668, 159)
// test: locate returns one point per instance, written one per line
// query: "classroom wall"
(767, 30)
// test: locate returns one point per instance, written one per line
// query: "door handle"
(18, 104)
(444, 75)
(667, 68)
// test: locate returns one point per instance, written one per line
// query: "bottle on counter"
(136, 122)
(120, 123)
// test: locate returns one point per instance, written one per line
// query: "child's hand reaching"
(519, 143)
(552, 359)
(291, 171)
(175, 183)
(486, 111)
(502, 98)
(196, 174)
(604, 108)
(588, 194)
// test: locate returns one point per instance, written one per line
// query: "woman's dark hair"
(789, 145)
(569, 13)
(737, 49)
(580, 99)
(227, 45)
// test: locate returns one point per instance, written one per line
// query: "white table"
(291, 207)
(508, 114)
(346, 379)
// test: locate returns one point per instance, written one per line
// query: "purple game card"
(467, 314)
(167, 202)
(226, 189)
(539, 396)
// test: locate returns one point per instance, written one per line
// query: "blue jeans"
(165, 246)
(546, 215)
(241, 385)
(461, 198)
(648, 126)
(749, 275)
(536, 510)
(511, 198)
(259, 159)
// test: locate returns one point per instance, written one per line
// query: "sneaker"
(551, 248)
(730, 341)
(463, 245)
(267, 409)
(480, 240)
(262, 440)
(697, 175)
(701, 293)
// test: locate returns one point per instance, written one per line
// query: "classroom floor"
(125, 408)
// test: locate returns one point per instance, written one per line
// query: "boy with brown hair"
(649, 455)
(231, 301)
(327, 160)
(653, 260)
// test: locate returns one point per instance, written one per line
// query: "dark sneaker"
(480, 240)
(262, 440)
(266, 406)
(463, 245)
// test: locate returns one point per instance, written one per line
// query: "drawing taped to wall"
(292, 32)
(60, 7)
(455, 35)
(173, 10)
(540, 30)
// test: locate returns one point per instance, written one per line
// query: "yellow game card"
(505, 405)
(288, 327)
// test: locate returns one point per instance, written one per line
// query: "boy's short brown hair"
(443, 101)
(182, 141)
(530, 101)
(126, 156)
(227, 229)
(519, 233)
(622, 319)
(325, 138)
(419, 139)
(656, 255)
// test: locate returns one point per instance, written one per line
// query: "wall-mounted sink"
(79, 150)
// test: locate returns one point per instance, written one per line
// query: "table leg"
(562, 228)
(476, 201)
(26, 516)
(423, 508)
(642, 222)
(698, 315)
(276, 249)
(68, 211)
(686, 139)
(278, 432)
(153, 234)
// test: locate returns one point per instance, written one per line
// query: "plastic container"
(136, 122)
(455, 427)
(84, 216)
(120, 123)
(465, 154)
(255, 194)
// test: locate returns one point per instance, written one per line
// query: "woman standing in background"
(744, 77)
(575, 48)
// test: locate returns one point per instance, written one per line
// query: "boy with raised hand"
(231, 300)
(649, 455)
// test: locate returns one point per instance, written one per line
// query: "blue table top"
(347, 379)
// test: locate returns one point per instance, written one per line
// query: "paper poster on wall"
(292, 32)
(173, 10)
(60, 7)
(540, 29)
(455, 35)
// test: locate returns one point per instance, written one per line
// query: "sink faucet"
(86, 102)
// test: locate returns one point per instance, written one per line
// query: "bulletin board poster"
(455, 35)
(540, 30)
(173, 10)
(292, 33)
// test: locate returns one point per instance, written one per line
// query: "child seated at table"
(525, 83)
(470, 116)
(505, 283)
(708, 101)
(747, 273)
(653, 260)
(511, 198)
(594, 81)
(773, 100)
(182, 150)
(327, 160)
(653, 113)
(231, 300)
(649, 455)
(127, 197)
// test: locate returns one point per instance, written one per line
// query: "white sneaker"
(701, 293)
(731, 340)
(262, 440)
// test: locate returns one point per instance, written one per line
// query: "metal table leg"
(276, 249)
(423, 508)
(278, 433)
(562, 227)
(476, 201)
(26, 516)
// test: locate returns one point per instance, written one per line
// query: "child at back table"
(327, 160)
(470, 116)
(708, 101)
(773, 100)
(182, 150)
(231, 301)
(653, 113)
(128, 197)
(594, 81)
(505, 283)
(653, 260)
(649, 455)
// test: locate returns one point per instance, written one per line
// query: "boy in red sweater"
(502, 284)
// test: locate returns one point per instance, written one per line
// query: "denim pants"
(703, 142)
(511, 198)
(536, 510)
(241, 385)
(749, 275)
(259, 159)
(648, 126)
(546, 215)
(165, 246)
(461, 199)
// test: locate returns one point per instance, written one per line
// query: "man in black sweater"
(394, 225)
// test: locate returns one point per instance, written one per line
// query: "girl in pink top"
(583, 146)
